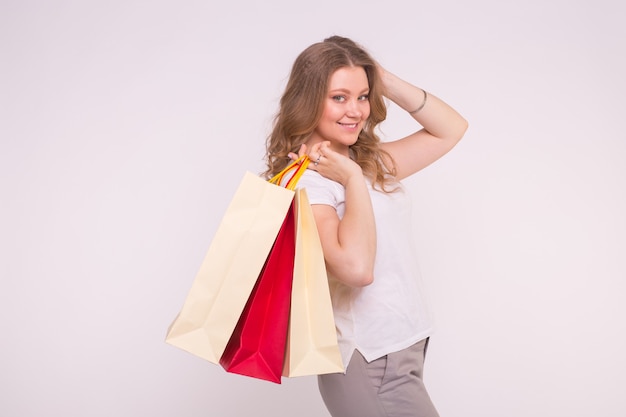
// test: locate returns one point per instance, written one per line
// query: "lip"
(349, 125)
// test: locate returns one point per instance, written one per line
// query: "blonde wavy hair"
(302, 104)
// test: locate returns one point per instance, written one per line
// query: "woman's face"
(346, 108)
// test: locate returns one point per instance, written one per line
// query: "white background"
(125, 127)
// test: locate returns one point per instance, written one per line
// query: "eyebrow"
(345, 90)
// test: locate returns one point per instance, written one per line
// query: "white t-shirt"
(390, 314)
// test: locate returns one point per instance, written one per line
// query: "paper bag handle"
(300, 164)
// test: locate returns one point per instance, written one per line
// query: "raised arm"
(442, 126)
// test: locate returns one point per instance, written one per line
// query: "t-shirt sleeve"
(321, 190)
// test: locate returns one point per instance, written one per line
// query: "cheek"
(366, 111)
(331, 113)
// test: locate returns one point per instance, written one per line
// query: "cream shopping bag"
(312, 342)
(231, 266)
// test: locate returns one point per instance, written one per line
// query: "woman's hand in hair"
(443, 126)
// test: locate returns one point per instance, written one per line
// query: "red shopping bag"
(257, 345)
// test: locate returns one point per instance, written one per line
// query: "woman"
(332, 104)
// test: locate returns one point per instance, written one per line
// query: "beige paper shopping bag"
(230, 268)
(312, 342)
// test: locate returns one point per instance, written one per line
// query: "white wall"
(125, 127)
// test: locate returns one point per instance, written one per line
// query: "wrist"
(354, 179)
(421, 106)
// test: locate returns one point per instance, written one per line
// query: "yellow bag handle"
(300, 164)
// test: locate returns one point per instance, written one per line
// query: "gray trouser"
(390, 386)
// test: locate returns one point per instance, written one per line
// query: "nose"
(354, 109)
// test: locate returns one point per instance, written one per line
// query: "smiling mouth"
(351, 125)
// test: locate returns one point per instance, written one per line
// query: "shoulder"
(321, 190)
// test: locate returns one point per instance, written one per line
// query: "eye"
(339, 99)
(364, 97)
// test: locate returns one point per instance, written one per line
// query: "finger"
(324, 146)
(292, 156)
